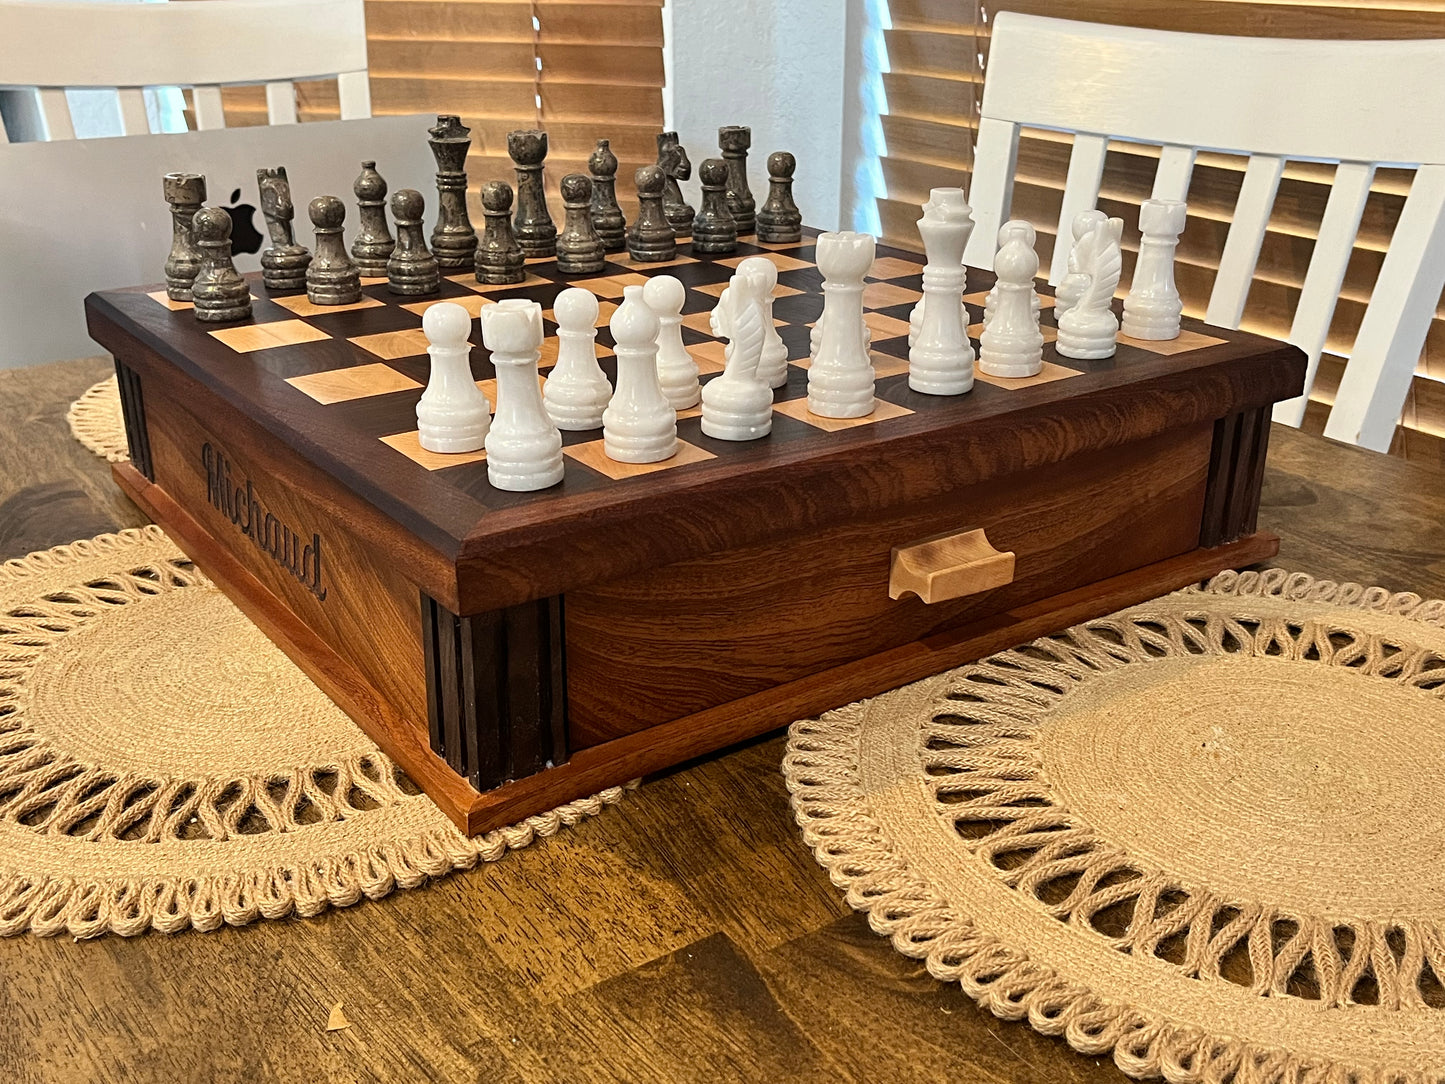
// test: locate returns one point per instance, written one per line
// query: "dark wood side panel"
(1236, 474)
(132, 408)
(496, 689)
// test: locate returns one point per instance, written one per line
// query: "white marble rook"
(577, 390)
(1152, 308)
(453, 415)
(524, 447)
(840, 377)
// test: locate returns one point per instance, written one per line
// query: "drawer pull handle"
(948, 567)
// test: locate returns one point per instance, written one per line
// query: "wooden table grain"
(684, 935)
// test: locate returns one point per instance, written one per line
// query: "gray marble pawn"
(283, 265)
(332, 279)
(411, 270)
(714, 229)
(579, 249)
(651, 239)
(734, 140)
(779, 220)
(219, 292)
(185, 192)
(499, 258)
(607, 217)
(676, 166)
(533, 225)
(373, 244)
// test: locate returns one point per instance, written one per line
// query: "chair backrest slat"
(133, 120)
(210, 112)
(1176, 169)
(1081, 192)
(1245, 238)
(995, 159)
(354, 90)
(281, 103)
(55, 110)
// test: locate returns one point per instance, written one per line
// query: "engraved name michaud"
(270, 536)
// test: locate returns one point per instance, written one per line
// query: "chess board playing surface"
(346, 379)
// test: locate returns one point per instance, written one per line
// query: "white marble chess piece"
(940, 356)
(1076, 280)
(1011, 344)
(947, 203)
(1014, 227)
(639, 425)
(524, 448)
(840, 377)
(773, 368)
(815, 336)
(665, 296)
(453, 415)
(577, 390)
(1152, 307)
(736, 404)
(1090, 330)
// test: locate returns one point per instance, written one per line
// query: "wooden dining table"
(686, 934)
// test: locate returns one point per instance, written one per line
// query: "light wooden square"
(358, 382)
(975, 331)
(473, 303)
(373, 280)
(980, 298)
(301, 305)
(885, 327)
(394, 344)
(469, 280)
(164, 299)
(882, 295)
(690, 412)
(883, 364)
(709, 356)
(605, 309)
(701, 322)
(716, 289)
(890, 267)
(629, 264)
(1187, 341)
(783, 246)
(409, 445)
(611, 285)
(251, 337)
(593, 455)
(1047, 375)
(798, 408)
(781, 262)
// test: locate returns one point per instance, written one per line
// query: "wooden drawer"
(676, 640)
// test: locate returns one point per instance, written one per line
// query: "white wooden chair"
(1358, 104)
(204, 45)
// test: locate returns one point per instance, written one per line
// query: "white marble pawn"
(736, 404)
(840, 377)
(950, 203)
(577, 390)
(1076, 281)
(940, 356)
(1011, 344)
(453, 415)
(524, 448)
(773, 366)
(1090, 330)
(639, 426)
(1152, 307)
(676, 369)
(1014, 227)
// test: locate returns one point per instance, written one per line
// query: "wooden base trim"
(132, 408)
(636, 754)
(1236, 475)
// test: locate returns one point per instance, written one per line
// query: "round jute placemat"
(164, 766)
(96, 421)
(1206, 834)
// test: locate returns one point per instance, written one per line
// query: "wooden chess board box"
(516, 650)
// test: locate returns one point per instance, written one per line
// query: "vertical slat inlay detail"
(132, 408)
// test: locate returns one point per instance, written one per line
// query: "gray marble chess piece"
(185, 192)
(219, 292)
(332, 279)
(533, 225)
(734, 141)
(283, 265)
(373, 244)
(499, 258)
(779, 220)
(676, 166)
(453, 239)
(651, 239)
(714, 229)
(579, 249)
(411, 270)
(607, 217)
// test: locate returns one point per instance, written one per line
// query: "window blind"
(937, 54)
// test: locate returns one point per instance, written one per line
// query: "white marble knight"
(737, 404)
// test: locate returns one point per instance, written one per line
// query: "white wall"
(778, 66)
